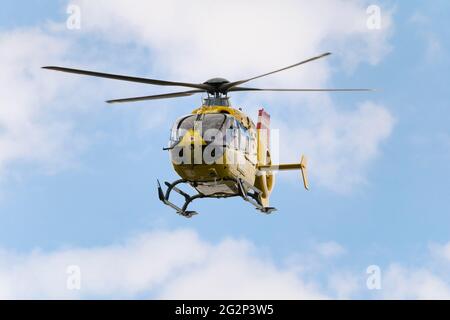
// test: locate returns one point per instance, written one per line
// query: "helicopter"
(217, 149)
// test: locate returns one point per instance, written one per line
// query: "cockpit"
(220, 128)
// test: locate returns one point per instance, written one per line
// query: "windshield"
(202, 123)
(213, 121)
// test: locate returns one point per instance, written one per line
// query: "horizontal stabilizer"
(291, 166)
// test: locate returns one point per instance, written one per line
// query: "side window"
(232, 137)
(236, 134)
(252, 145)
(244, 139)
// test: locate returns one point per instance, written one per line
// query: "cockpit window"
(186, 123)
(213, 126)
(181, 126)
(203, 123)
(213, 121)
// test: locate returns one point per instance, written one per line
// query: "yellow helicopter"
(217, 149)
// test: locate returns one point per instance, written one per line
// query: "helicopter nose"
(192, 137)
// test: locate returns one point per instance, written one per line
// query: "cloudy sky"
(77, 176)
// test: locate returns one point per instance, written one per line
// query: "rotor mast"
(217, 96)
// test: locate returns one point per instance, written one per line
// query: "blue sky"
(103, 190)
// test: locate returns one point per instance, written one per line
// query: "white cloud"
(434, 49)
(345, 285)
(341, 145)
(31, 126)
(429, 280)
(400, 282)
(180, 265)
(233, 271)
(41, 112)
(441, 252)
(330, 249)
(162, 264)
(200, 39)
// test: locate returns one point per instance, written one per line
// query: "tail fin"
(266, 180)
(303, 163)
(263, 129)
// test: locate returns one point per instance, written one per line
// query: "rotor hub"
(216, 81)
(216, 84)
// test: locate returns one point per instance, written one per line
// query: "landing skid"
(246, 192)
(253, 195)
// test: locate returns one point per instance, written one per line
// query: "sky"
(78, 177)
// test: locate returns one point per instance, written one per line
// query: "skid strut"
(164, 197)
(253, 197)
(245, 191)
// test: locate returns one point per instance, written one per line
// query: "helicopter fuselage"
(213, 166)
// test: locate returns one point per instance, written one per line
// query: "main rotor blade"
(158, 96)
(301, 90)
(228, 86)
(132, 79)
